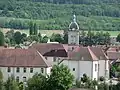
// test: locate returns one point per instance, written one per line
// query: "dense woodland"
(57, 14)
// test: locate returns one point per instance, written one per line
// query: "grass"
(50, 32)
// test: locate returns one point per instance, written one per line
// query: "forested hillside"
(76, 1)
(57, 14)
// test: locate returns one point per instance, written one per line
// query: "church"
(80, 60)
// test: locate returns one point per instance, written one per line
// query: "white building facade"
(22, 64)
(23, 73)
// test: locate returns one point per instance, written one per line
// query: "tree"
(1, 75)
(31, 28)
(44, 39)
(90, 40)
(82, 37)
(1, 81)
(11, 84)
(106, 38)
(60, 78)
(57, 38)
(118, 38)
(65, 38)
(103, 86)
(85, 78)
(40, 37)
(23, 37)
(10, 36)
(17, 37)
(37, 82)
(1, 39)
(99, 38)
(33, 38)
(35, 29)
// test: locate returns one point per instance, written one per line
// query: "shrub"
(78, 83)
(102, 78)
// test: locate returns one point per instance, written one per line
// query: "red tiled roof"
(113, 55)
(87, 53)
(50, 49)
(22, 58)
(98, 51)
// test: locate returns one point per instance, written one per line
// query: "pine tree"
(31, 28)
(35, 29)
(1, 39)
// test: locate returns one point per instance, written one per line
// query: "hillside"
(57, 14)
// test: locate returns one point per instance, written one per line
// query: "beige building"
(22, 63)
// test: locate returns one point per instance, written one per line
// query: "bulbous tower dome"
(73, 25)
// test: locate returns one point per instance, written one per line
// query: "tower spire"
(74, 18)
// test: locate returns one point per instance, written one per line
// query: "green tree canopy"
(37, 82)
(11, 84)
(1, 39)
(44, 39)
(35, 29)
(60, 78)
(31, 28)
(118, 38)
(57, 38)
(17, 37)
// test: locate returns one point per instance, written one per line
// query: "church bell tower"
(73, 32)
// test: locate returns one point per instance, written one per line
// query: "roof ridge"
(104, 54)
(43, 59)
(94, 57)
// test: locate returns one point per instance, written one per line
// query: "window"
(31, 70)
(17, 69)
(17, 79)
(95, 67)
(42, 70)
(9, 69)
(24, 79)
(54, 59)
(98, 66)
(24, 70)
(73, 69)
